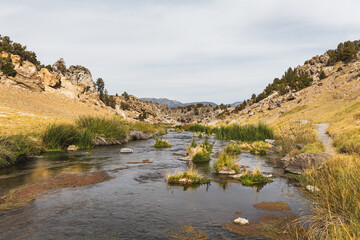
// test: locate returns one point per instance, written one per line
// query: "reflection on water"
(137, 203)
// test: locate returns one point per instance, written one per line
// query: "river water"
(137, 203)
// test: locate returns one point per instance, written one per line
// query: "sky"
(188, 50)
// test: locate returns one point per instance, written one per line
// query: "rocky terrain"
(62, 91)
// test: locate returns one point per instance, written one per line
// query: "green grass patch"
(109, 128)
(17, 148)
(201, 157)
(225, 160)
(187, 178)
(245, 133)
(232, 149)
(253, 179)
(60, 136)
(258, 151)
(160, 143)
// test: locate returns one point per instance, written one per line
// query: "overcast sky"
(188, 50)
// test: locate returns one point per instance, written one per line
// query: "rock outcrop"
(314, 66)
(51, 79)
(79, 75)
(305, 161)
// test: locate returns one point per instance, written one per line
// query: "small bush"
(161, 143)
(225, 160)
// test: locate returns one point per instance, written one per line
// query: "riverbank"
(85, 133)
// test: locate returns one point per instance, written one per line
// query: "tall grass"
(109, 128)
(225, 160)
(348, 142)
(337, 211)
(247, 133)
(289, 135)
(195, 127)
(60, 136)
(17, 148)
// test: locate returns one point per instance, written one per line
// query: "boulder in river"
(241, 221)
(126, 150)
(306, 161)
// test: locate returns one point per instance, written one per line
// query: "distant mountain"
(236, 103)
(174, 103)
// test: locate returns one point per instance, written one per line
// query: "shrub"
(9, 46)
(225, 160)
(161, 143)
(7, 67)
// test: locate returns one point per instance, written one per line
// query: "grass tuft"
(225, 160)
(189, 177)
(160, 143)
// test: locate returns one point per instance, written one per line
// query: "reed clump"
(160, 143)
(226, 161)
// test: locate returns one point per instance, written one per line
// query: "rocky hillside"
(34, 95)
(335, 99)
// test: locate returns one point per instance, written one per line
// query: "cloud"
(214, 50)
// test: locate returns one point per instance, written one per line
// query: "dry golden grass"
(24, 112)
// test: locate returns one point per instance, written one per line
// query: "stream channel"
(137, 203)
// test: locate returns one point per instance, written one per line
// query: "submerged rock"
(306, 161)
(126, 150)
(241, 221)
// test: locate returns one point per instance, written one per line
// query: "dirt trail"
(325, 138)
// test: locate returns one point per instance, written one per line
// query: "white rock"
(72, 148)
(241, 221)
(312, 188)
(271, 141)
(126, 150)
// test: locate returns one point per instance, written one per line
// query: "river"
(136, 203)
